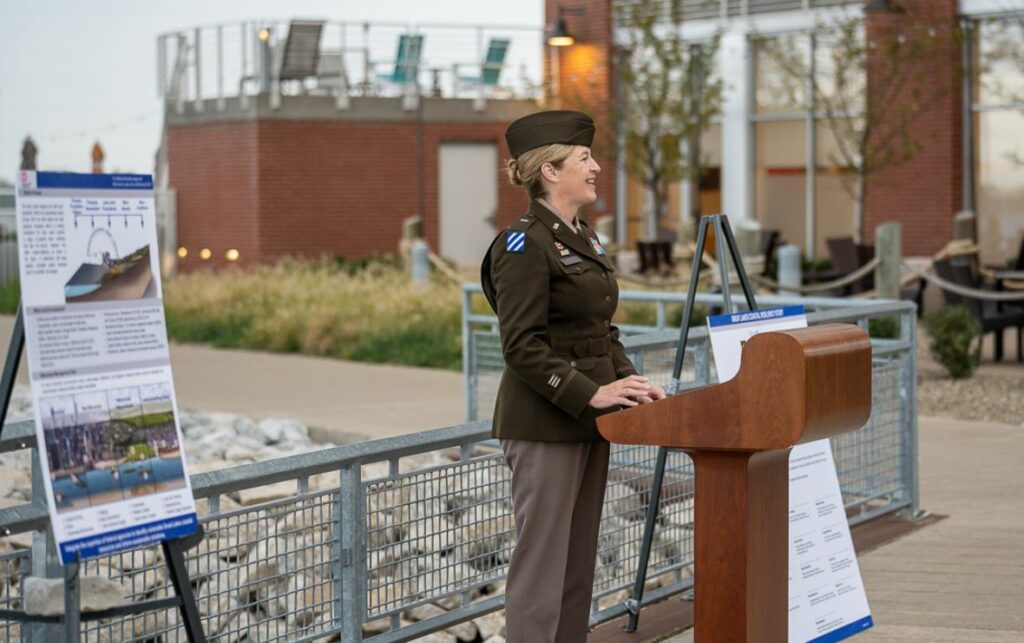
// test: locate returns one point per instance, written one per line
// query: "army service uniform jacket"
(555, 294)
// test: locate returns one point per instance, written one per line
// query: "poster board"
(827, 601)
(105, 410)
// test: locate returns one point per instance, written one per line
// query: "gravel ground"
(983, 397)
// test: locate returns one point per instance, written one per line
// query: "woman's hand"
(629, 391)
(656, 393)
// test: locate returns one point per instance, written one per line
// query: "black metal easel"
(174, 550)
(723, 239)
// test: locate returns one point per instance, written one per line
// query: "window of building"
(998, 126)
(806, 189)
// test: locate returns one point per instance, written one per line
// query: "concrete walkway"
(961, 579)
(340, 401)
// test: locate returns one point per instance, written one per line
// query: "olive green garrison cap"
(545, 128)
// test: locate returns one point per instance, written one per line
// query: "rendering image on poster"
(130, 277)
(111, 445)
(96, 339)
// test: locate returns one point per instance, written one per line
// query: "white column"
(737, 144)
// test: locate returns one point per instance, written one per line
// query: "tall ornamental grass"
(370, 314)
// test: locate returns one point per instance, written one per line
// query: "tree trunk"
(858, 214)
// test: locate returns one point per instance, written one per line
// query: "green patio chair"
(490, 68)
(407, 61)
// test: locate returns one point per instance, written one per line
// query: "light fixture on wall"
(559, 35)
(232, 254)
(205, 254)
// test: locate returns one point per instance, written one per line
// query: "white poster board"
(105, 410)
(826, 596)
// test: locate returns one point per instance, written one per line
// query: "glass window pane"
(839, 69)
(1000, 51)
(780, 67)
(1000, 184)
(781, 200)
(835, 185)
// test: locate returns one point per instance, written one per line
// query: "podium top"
(793, 386)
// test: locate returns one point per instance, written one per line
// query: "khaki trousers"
(557, 495)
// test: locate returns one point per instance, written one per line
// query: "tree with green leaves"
(670, 95)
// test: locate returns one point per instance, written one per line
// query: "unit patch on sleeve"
(515, 241)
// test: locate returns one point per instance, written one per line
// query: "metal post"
(908, 333)
(967, 118)
(352, 531)
(198, 66)
(621, 184)
(468, 361)
(810, 240)
(243, 98)
(220, 68)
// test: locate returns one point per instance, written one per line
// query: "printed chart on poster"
(99, 364)
(826, 596)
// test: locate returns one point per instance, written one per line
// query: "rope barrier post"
(887, 250)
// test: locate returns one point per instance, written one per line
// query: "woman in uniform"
(551, 284)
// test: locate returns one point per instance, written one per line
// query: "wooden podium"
(792, 387)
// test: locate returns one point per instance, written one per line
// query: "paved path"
(339, 398)
(961, 579)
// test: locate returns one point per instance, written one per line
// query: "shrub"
(10, 295)
(884, 327)
(955, 340)
(370, 312)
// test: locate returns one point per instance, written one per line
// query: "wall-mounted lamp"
(264, 34)
(182, 252)
(232, 254)
(559, 35)
(205, 254)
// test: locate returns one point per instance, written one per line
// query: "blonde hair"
(525, 169)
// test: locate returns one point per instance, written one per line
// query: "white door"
(468, 199)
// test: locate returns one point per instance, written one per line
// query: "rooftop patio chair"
(846, 256)
(770, 241)
(407, 61)
(300, 56)
(988, 313)
(490, 67)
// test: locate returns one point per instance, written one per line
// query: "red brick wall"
(213, 169)
(926, 191)
(281, 188)
(586, 81)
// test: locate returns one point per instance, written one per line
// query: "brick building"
(289, 168)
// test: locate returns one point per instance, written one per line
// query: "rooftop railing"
(208, 65)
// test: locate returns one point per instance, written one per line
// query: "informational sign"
(105, 410)
(826, 595)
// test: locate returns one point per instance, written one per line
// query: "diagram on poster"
(106, 413)
(826, 596)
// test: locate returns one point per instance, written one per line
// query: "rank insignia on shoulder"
(598, 248)
(515, 242)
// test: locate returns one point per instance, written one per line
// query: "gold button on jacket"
(554, 297)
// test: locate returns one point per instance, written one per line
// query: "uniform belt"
(591, 347)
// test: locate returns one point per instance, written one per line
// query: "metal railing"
(408, 535)
(213, 63)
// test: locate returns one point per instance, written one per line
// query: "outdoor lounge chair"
(992, 317)
(300, 56)
(490, 68)
(846, 256)
(407, 61)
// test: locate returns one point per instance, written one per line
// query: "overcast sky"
(72, 72)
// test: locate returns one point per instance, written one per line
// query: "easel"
(174, 550)
(723, 240)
